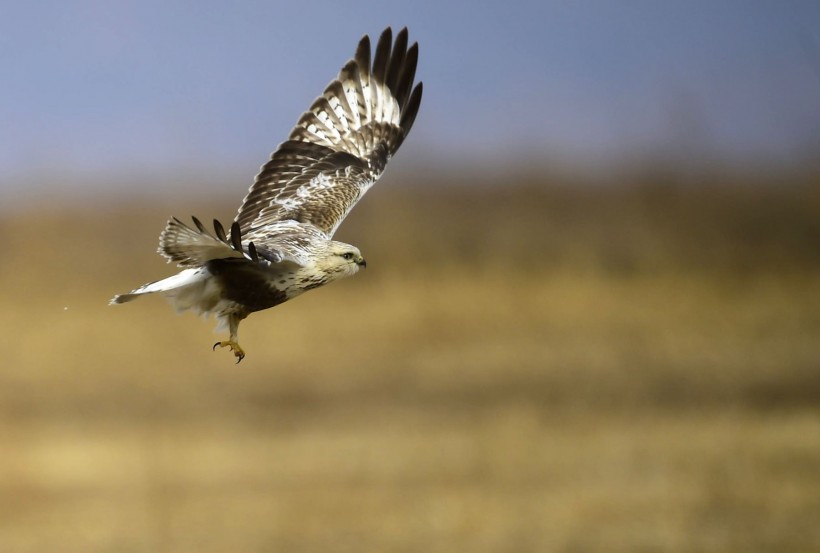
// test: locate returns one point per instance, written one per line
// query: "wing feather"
(340, 146)
(194, 247)
(396, 65)
(220, 231)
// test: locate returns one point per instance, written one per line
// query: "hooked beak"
(362, 263)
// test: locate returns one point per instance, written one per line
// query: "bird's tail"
(176, 283)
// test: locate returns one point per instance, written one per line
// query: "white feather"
(181, 280)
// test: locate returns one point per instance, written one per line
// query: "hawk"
(280, 244)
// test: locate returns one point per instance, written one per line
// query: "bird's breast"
(248, 284)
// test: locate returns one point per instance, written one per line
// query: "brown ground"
(535, 369)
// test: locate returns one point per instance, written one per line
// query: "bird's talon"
(237, 351)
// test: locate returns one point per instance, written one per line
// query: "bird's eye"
(347, 255)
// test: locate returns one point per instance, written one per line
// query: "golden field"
(526, 368)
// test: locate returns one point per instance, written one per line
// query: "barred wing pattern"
(340, 146)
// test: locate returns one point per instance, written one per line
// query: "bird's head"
(341, 260)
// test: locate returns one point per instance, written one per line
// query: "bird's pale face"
(342, 260)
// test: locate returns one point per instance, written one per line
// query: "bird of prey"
(280, 243)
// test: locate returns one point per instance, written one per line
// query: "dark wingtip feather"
(362, 57)
(408, 73)
(236, 237)
(409, 115)
(382, 56)
(220, 231)
(396, 66)
(200, 226)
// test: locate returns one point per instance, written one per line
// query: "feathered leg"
(233, 326)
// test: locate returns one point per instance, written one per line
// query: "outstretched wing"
(341, 145)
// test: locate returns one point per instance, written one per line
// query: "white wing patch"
(288, 203)
(304, 192)
(315, 130)
(336, 106)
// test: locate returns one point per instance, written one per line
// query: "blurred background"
(590, 319)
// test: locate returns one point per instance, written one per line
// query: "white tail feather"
(194, 289)
(174, 285)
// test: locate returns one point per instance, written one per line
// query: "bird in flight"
(281, 242)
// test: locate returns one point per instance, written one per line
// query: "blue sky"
(94, 89)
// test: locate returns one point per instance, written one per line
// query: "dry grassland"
(547, 369)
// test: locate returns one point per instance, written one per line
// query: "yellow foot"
(237, 351)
